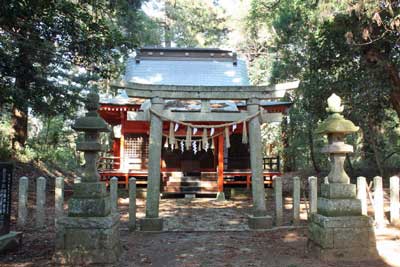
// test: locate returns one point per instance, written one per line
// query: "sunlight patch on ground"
(291, 237)
(388, 244)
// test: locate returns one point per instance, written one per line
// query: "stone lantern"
(89, 234)
(338, 229)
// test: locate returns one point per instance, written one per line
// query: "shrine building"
(200, 101)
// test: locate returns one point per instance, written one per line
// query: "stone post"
(362, 194)
(152, 222)
(22, 201)
(394, 201)
(40, 202)
(278, 200)
(313, 189)
(339, 230)
(89, 235)
(114, 194)
(259, 218)
(378, 202)
(132, 204)
(296, 200)
(59, 198)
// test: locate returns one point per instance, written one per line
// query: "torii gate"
(158, 93)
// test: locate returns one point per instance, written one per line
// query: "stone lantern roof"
(336, 123)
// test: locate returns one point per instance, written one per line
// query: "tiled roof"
(191, 67)
(187, 72)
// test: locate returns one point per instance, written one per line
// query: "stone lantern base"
(338, 230)
(87, 241)
(345, 237)
(89, 235)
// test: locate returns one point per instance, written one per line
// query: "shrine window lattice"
(136, 146)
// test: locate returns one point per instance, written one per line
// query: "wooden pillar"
(220, 168)
(248, 181)
(122, 142)
(215, 152)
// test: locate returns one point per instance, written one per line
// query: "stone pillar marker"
(22, 201)
(152, 221)
(59, 198)
(114, 194)
(362, 194)
(278, 201)
(259, 219)
(394, 201)
(378, 202)
(296, 200)
(132, 204)
(313, 191)
(89, 235)
(338, 229)
(40, 202)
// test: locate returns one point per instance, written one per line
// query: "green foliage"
(51, 50)
(187, 23)
(333, 47)
(5, 136)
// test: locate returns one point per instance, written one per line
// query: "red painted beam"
(221, 163)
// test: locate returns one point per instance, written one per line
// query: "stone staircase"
(190, 185)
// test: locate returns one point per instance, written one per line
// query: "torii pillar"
(259, 219)
(152, 221)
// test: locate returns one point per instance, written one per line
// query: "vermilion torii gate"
(156, 114)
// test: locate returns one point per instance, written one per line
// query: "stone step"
(189, 189)
(209, 175)
(189, 179)
(197, 194)
(193, 183)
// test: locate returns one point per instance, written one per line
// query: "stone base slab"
(79, 257)
(89, 207)
(339, 207)
(259, 223)
(151, 224)
(220, 196)
(90, 190)
(338, 191)
(355, 253)
(87, 241)
(345, 237)
(10, 241)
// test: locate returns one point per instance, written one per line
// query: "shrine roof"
(197, 67)
(186, 66)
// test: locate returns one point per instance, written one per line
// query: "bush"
(5, 138)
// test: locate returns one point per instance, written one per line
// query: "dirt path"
(280, 248)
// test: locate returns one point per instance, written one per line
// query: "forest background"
(51, 51)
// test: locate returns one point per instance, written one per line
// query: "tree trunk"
(167, 24)
(312, 150)
(348, 160)
(395, 93)
(371, 138)
(373, 56)
(287, 161)
(19, 116)
(20, 127)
